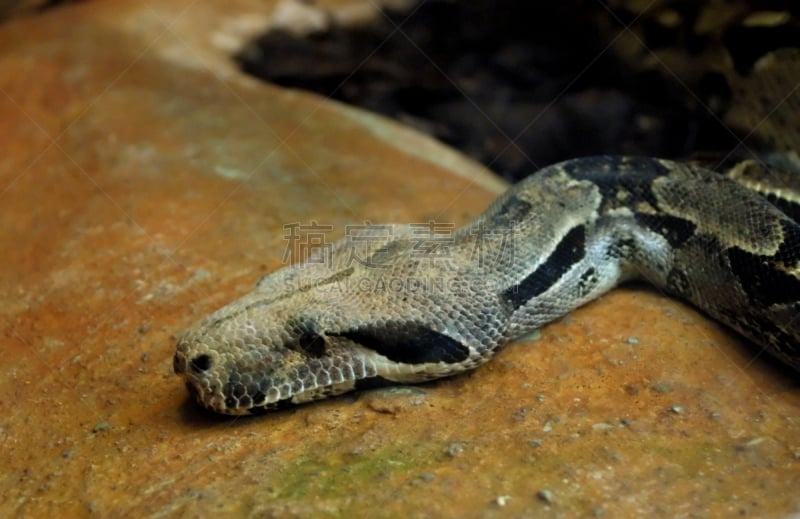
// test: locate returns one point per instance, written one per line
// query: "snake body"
(551, 243)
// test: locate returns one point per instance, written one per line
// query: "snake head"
(307, 332)
(263, 352)
(250, 357)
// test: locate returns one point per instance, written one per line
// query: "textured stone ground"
(143, 183)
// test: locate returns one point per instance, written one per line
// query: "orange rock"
(144, 182)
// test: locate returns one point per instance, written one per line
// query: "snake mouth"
(178, 363)
(279, 405)
(198, 395)
(193, 392)
(236, 406)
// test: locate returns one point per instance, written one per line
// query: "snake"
(420, 304)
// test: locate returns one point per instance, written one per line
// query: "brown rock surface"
(144, 183)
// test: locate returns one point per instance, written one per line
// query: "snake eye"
(200, 364)
(312, 344)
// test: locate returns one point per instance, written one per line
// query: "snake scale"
(556, 240)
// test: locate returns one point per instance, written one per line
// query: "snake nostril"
(200, 363)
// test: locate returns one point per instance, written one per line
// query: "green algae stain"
(341, 475)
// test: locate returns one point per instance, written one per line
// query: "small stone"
(545, 496)
(632, 389)
(427, 477)
(101, 426)
(677, 409)
(632, 341)
(661, 387)
(394, 400)
(520, 414)
(454, 449)
(502, 500)
(744, 446)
